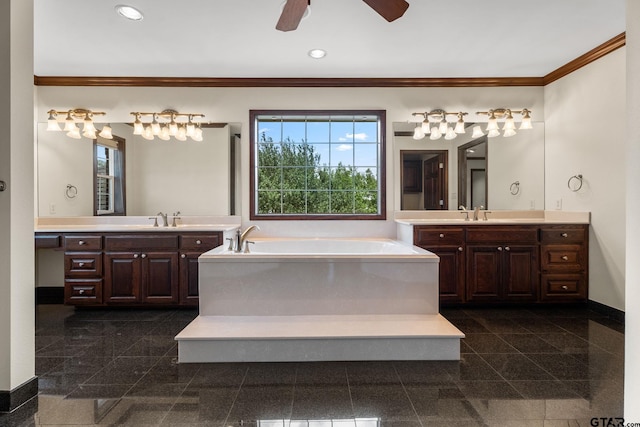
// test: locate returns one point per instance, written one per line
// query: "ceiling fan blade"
(389, 9)
(291, 15)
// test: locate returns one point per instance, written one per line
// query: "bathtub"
(319, 299)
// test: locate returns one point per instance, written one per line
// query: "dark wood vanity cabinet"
(139, 268)
(448, 243)
(509, 264)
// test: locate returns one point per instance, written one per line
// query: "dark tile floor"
(519, 367)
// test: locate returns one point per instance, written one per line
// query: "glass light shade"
(443, 127)
(173, 128)
(451, 134)
(164, 133)
(418, 133)
(509, 132)
(493, 133)
(181, 134)
(459, 127)
(526, 123)
(190, 128)
(52, 124)
(492, 124)
(70, 125)
(88, 126)
(138, 127)
(435, 133)
(197, 134)
(147, 133)
(509, 123)
(106, 132)
(74, 133)
(91, 134)
(477, 132)
(155, 127)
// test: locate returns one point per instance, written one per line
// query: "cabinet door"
(159, 277)
(484, 274)
(189, 278)
(521, 281)
(122, 277)
(451, 273)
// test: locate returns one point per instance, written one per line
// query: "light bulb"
(106, 132)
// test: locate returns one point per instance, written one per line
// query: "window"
(109, 176)
(317, 164)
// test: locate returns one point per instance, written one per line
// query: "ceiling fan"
(294, 10)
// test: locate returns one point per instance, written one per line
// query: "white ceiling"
(237, 38)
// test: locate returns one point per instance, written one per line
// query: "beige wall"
(585, 134)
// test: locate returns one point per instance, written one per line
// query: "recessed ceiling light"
(317, 53)
(129, 12)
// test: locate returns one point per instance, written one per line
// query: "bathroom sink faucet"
(165, 223)
(241, 237)
(476, 211)
(175, 216)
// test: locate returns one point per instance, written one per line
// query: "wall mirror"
(195, 178)
(474, 172)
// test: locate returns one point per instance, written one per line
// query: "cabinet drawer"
(563, 287)
(138, 242)
(82, 243)
(47, 241)
(563, 258)
(563, 234)
(436, 236)
(199, 242)
(83, 291)
(83, 264)
(501, 235)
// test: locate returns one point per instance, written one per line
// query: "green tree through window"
(317, 165)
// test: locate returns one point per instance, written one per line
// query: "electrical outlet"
(52, 208)
(559, 204)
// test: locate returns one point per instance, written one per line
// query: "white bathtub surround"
(319, 299)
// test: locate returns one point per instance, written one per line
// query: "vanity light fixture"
(509, 126)
(441, 127)
(167, 124)
(78, 116)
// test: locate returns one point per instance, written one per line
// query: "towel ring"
(515, 188)
(577, 186)
(71, 192)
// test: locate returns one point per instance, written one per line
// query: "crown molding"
(594, 54)
(589, 57)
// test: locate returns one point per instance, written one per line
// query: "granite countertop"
(497, 217)
(134, 224)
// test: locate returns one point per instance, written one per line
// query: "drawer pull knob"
(564, 287)
(500, 248)
(564, 235)
(198, 242)
(144, 255)
(136, 255)
(441, 235)
(81, 242)
(459, 248)
(81, 264)
(507, 248)
(183, 256)
(81, 291)
(565, 258)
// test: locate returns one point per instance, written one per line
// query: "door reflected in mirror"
(472, 174)
(424, 178)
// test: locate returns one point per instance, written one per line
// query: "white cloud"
(358, 136)
(344, 147)
(343, 139)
